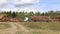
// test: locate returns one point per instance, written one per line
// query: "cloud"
(23, 5)
(25, 1)
(6, 4)
(3, 1)
(3, 4)
(5, 9)
(26, 9)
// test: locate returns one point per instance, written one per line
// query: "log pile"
(57, 18)
(41, 18)
(5, 18)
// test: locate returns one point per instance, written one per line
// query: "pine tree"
(13, 15)
(37, 14)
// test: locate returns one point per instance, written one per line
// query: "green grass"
(4, 25)
(42, 25)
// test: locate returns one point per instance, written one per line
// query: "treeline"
(22, 15)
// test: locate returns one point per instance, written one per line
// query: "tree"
(21, 15)
(37, 14)
(42, 14)
(46, 14)
(13, 15)
(9, 14)
(52, 14)
(58, 13)
(30, 14)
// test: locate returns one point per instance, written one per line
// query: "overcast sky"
(27, 5)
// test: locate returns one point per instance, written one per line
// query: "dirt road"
(14, 28)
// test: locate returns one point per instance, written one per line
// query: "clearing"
(30, 28)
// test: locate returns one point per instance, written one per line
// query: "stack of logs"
(5, 18)
(40, 18)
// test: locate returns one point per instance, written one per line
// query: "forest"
(23, 14)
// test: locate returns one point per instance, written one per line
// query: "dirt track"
(14, 29)
(18, 27)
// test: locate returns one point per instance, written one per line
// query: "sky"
(29, 5)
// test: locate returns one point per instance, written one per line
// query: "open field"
(30, 28)
(42, 25)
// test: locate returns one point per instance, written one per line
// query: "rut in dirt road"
(11, 30)
(22, 28)
(15, 27)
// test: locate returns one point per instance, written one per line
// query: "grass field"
(30, 28)
(4, 25)
(43, 25)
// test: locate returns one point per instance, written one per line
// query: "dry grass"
(4, 25)
(19, 32)
(33, 27)
(42, 25)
